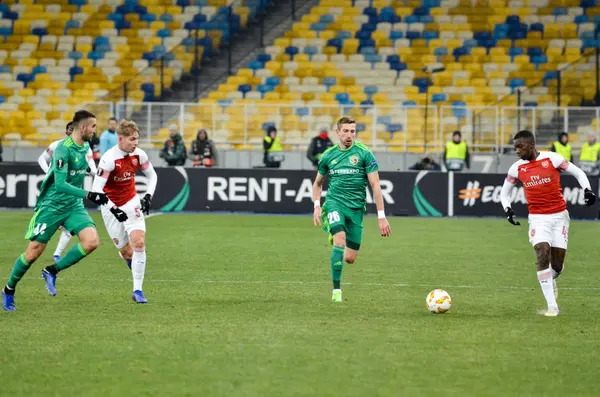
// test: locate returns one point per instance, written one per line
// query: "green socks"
(21, 266)
(337, 265)
(74, 255)
(19, 269)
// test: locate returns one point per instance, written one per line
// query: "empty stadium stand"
(57, 55)
(362, 58)
(366, 59)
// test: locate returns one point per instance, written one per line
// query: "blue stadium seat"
(245, 88)
(273, 81)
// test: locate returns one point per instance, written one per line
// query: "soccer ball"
(438, 301)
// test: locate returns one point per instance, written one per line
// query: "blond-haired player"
(124, 213)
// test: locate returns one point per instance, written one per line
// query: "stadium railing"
(386, 128)
(393, 128)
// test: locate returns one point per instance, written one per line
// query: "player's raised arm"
(563, 165)
(150, 173)
(507, 187)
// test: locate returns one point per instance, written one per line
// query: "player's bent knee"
(138, 240)
(339, 239)
(90, 245)
(89, 239)
(34, 250)
(542, 251)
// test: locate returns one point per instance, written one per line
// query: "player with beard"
(60, 203)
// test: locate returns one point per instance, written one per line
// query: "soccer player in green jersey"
(349, 165)
(60, 203)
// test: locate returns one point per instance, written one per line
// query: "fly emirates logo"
(536, 180)
(477, 192)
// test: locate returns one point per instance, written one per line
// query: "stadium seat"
(344, 57)
(367, 55)
(94, 47)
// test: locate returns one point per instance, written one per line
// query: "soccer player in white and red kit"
(124, 214)
(44, 161)
(539, 172)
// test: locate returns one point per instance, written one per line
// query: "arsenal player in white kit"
(44, 161)
(124, 214)
(539, 172)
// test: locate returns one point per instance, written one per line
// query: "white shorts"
(552, 229)
(119, 231)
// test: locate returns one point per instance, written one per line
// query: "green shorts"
(338, 218)
(45, 223)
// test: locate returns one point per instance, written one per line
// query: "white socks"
(63, 241)
(545, 279)
(138, 268)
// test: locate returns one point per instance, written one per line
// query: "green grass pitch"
(239, 306)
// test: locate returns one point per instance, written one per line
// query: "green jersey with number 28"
(347, 170)
(61, 191)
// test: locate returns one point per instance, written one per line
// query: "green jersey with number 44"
(347, 170)
(61, 190)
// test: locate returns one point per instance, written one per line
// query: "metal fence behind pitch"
(393, 128)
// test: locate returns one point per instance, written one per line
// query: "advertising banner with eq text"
(479, 195)
(422, 193)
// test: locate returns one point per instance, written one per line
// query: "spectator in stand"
(426, 164)
(273, 150)
(203, 153)
(109, 138)
(174, 151)
(318, 145)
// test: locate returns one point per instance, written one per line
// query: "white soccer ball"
(438, 301)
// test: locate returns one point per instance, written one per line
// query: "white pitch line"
(153, 214)
(286, 282)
